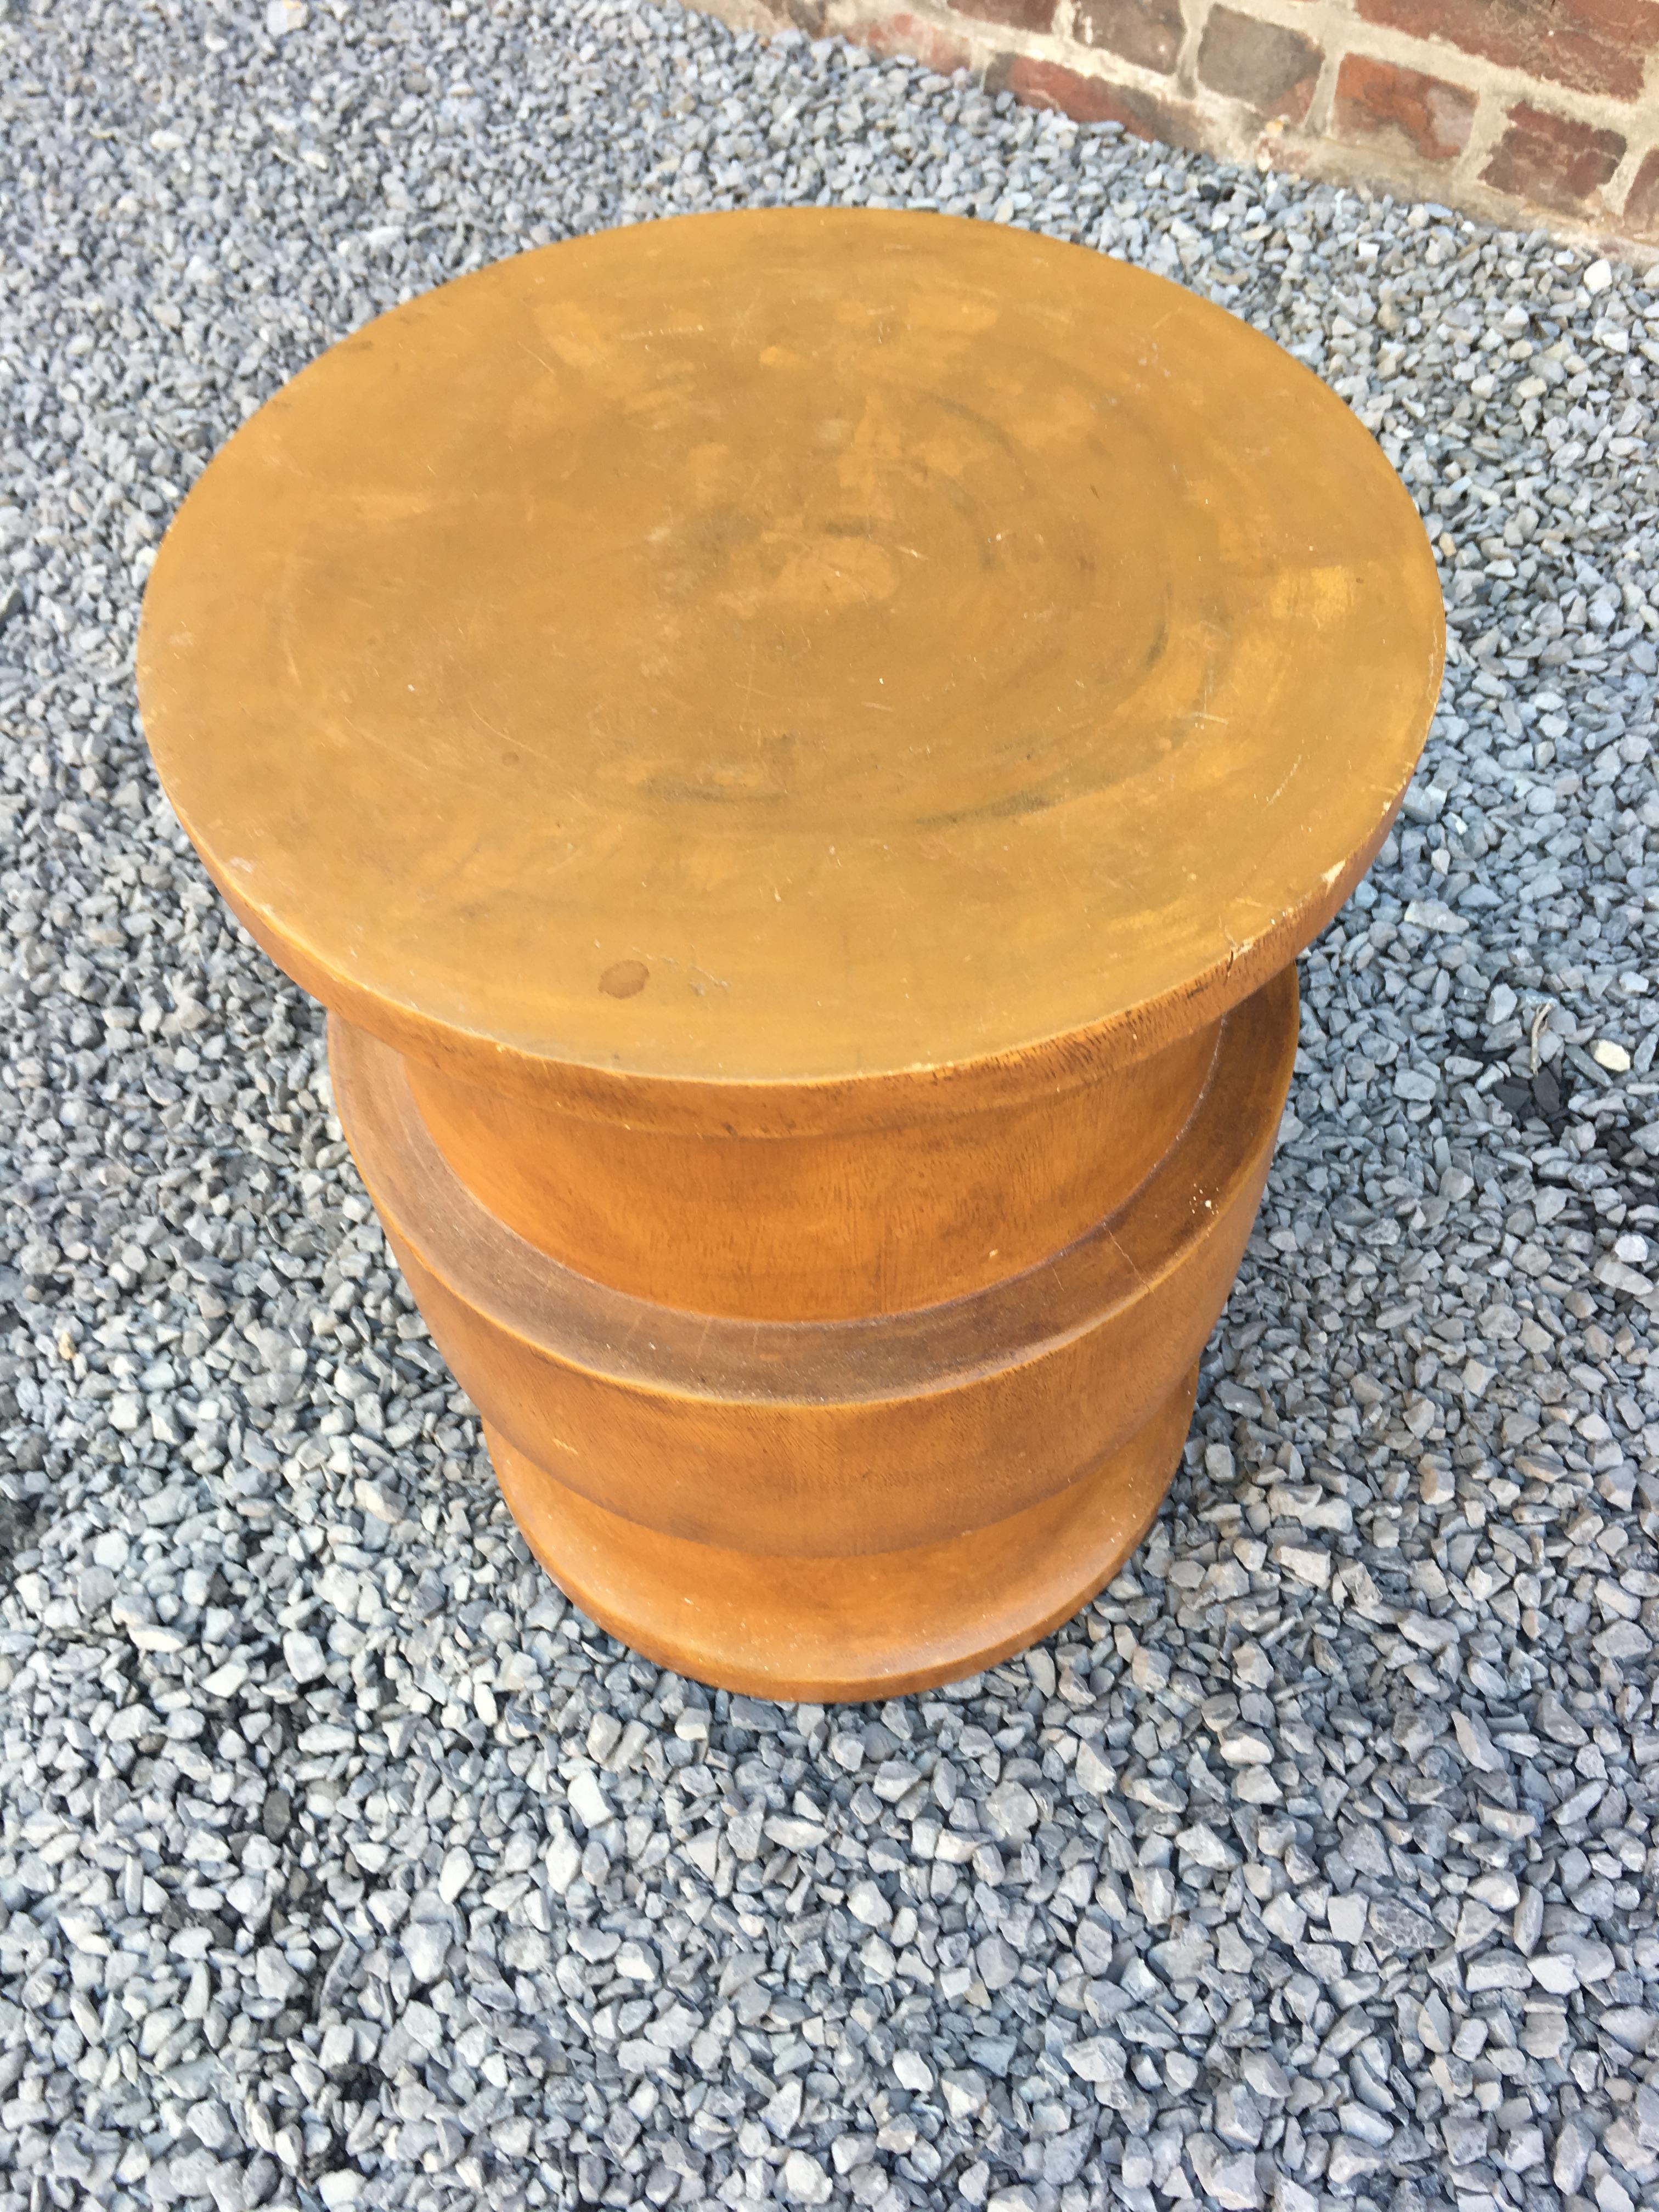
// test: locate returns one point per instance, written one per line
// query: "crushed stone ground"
(341, 1862)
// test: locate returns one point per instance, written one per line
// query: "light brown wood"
(838, 1436)
(799, 749)
(862, 1220)
(870, 1625)
(761, 654)
(846, 1508)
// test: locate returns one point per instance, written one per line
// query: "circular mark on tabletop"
(624, 978)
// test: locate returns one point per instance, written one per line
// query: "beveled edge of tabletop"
(835, 1104)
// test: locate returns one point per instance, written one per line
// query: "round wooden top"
(790, 649)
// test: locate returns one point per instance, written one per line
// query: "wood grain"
(799, 748)
(869, 1219)
(875, 1625)
(842, 1437)
(700, 671)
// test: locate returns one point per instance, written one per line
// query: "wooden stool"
(799, 749)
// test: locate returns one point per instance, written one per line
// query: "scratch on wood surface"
(1111, 1237)
(1280, 787)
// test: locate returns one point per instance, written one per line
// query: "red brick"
(1274, 70)
(1414, 113)
(1641, 201)
(1090, 99)
(1017, 14)
(1552, 159)
(1593, 46)
(918, 41)
(1148, 32)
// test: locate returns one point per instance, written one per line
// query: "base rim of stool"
(842, 1629)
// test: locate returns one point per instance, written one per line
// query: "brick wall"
(1532, 111)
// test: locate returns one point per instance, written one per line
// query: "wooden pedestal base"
(842, 1508)
(863, 1624)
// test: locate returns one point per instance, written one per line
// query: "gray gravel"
(341, 1862)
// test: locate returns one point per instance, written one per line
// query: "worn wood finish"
(799, 748)
(841, 1507)
(840, 1437)
(872, 1219)
(748, 657)
(870, 1625)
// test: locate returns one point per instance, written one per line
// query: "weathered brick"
(1148, 32)
(1091, 98)
(1552, 158)
(1593, 46)
(1271, 68)
(917, 41)
(1416, 114)
(1016, 14)
(1642, 201)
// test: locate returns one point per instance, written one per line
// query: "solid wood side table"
(799, 749)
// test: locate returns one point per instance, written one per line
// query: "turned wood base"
(778, 1625)
(846, 1501)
